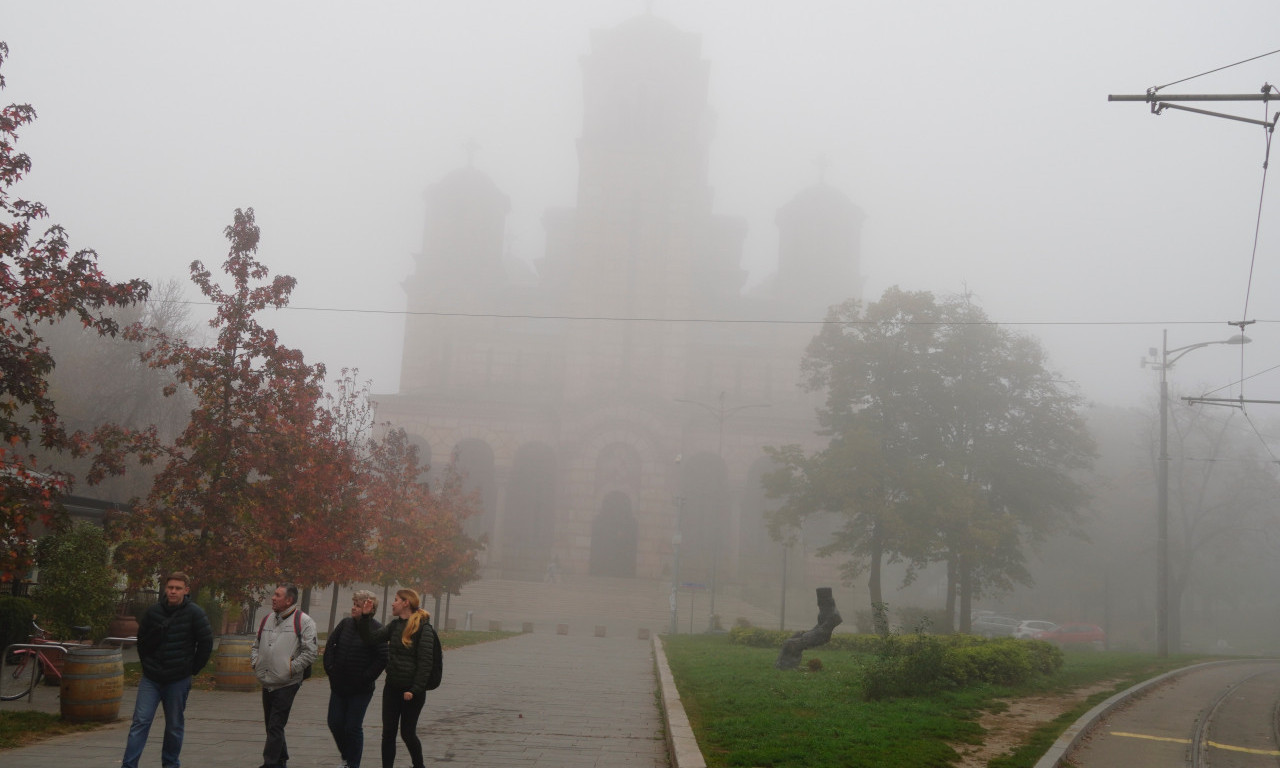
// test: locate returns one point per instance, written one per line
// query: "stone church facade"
(605, 411)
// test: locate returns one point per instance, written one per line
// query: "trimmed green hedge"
(907, 665)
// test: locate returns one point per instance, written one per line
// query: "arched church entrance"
(613, 538)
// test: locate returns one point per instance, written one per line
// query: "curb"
(1080, 728)
(682, 747)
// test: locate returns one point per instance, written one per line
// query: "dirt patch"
(1009, 729)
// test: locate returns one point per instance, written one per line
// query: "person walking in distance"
(352, 668)
(281, 655)
(174, 643)
(410, 642)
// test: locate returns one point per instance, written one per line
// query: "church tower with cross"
(608, 418)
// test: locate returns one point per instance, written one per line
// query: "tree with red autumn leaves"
(41, 282)
(420, 538)
(256, 489)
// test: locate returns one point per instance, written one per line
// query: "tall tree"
(40, 282)
(1223, 503)
(1014, 435)
(874, 369)
(950, 441)
(242, 496)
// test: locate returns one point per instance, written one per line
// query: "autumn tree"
(251, 490)
(41, 281)
(420, 534)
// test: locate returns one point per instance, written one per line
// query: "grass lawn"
(18, 728)
(746, 713)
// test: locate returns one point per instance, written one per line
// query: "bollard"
(467, 626)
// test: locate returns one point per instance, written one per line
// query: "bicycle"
(24, 664)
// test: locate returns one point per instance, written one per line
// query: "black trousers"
(275, 712)
(397, 711)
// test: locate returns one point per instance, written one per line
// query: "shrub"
(215, 608)
(905, 667)
(756, 637)
(15, 620)
(1004, 661)
(77, 584)
(1046, 658)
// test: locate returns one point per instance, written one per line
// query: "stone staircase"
(582, 604)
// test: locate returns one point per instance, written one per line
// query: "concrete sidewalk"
(530, 701)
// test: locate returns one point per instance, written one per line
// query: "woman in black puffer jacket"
(352, 668)
(410, 643)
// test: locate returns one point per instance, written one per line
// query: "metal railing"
(35, 659)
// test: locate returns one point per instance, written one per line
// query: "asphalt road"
(1160, 726)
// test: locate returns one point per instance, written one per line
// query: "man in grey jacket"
(283, 650)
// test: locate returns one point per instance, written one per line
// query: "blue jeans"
(173, 697)
(346, 722)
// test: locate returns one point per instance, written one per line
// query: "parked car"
(1027, 628)
(994, 626)
(1075, 634)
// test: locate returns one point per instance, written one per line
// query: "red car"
(1075, 634)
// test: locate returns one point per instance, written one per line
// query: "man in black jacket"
(352, 668)
(174, 643)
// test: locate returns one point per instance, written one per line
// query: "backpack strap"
(297, 624)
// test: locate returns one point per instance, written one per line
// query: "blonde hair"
(415, 619)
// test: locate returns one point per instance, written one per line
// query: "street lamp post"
(675, 561)
(1162, 486)
(721, 414)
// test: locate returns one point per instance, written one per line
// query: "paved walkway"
(530, 701)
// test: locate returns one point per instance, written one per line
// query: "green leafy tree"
(41, 281)
(951, 441)
(77, 583)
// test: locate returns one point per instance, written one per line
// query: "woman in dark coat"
(410, 643)
(352, 668)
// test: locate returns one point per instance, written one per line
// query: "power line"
(710, 320)
(1218, 69)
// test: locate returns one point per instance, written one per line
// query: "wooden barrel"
(92, 685)
(232, 671)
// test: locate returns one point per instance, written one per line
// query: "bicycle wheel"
(18, 678)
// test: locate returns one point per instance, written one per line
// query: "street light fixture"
(721, 414)
(1162, 497)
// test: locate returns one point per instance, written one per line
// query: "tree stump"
(828, 620)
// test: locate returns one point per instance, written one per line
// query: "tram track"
(1213, 715)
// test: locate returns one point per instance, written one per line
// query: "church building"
(612, 411)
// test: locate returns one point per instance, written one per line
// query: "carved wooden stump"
(828, 620)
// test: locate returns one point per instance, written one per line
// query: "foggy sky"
(976, 137)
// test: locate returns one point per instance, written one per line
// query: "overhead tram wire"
(1269, 127)
(1158, 88)
(708, 320)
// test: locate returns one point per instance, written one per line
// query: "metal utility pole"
(1160, 102)
(1163, 605)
